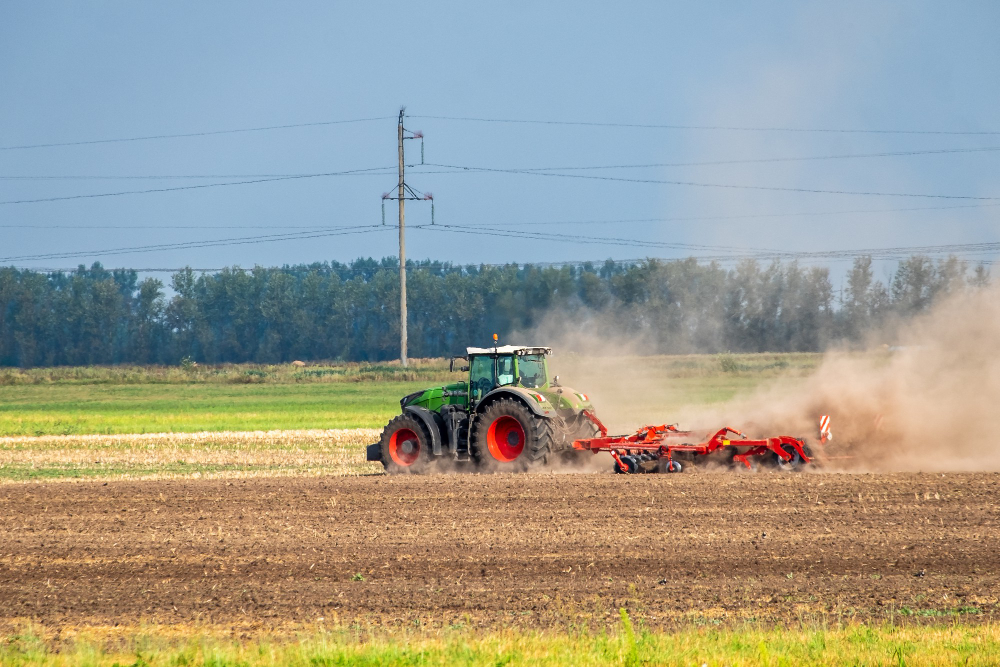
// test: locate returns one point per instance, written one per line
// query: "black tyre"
(406, 446)
(508, 437)
(793, 464)
(631, 462)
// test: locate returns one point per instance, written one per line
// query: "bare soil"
(495, 550)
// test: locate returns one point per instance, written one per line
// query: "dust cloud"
(925, 403)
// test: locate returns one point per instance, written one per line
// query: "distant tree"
(914, 285)
(866, 301)
(949, 276)
(980, 277)
(145, 327)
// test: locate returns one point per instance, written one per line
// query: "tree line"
(326, 311)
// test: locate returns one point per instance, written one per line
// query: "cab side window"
(505, 370)
(481, 376)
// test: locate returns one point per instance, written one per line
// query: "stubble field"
(530, 550)
(160, 540)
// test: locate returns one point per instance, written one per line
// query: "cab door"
(482, 378)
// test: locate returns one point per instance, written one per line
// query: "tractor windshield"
(487, 372)
(532, 370)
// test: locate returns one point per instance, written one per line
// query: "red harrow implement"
(658, 448)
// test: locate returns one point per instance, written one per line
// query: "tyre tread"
(538, 432)
(415, 425)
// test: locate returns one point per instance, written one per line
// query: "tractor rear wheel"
(406, 446)
(508, 437)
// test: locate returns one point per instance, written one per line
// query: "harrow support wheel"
(508, 437)
(406, 446)
(793, 464)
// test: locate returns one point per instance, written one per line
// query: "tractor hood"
(435, 397)
(566, 398)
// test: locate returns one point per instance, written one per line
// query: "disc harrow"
(657, 448)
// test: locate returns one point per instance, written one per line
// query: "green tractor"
(509, 415)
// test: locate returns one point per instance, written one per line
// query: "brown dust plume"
(925, 404)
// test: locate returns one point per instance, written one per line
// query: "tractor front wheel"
(508, 437)
(405, 446)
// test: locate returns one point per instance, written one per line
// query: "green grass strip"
(849, 645)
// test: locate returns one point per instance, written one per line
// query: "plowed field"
(527, 550)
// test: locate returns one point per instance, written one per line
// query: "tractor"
(509, 415)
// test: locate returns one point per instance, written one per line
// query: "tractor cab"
(507, 365)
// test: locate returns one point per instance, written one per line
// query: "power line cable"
(530, 172)
(967, 249)
(144, 228)
(542, 223)
(193, 134)
(728, 186)
(183, 135)
(875, 253)
(744, 216)
(372, 171)
(734, 128)
(182, 177)
(594, 239)
(187, 245)
(846, 156)
(590, 240)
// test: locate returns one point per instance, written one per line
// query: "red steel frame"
(666, 439)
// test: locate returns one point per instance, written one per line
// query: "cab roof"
(507, 349)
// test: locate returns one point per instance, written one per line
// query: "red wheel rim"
(404, 447)
(505, 439)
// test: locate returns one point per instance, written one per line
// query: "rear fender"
(535, 401)
(432, 422)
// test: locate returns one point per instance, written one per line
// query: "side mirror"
(555, 380)
(451, 364)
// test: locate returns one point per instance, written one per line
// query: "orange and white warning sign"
(824, 429)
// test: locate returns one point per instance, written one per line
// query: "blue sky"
(89, 71)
